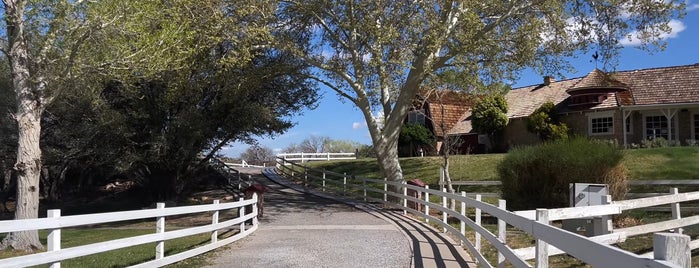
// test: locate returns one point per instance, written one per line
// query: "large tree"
(52, 44)
(377, 54)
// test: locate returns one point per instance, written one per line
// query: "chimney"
(548, 80)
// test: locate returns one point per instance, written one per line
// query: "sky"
(340, 120)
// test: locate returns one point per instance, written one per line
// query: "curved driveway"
(302, 230)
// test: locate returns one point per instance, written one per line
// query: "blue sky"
(342, 121)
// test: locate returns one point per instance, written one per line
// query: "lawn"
(676, 163)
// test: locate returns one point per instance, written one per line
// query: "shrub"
(539, 176)
(658, 142)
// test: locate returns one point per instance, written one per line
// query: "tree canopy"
(489, 114)
(378, 54)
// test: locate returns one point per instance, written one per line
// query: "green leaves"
(489, 115)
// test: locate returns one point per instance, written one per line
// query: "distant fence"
(550, 240)
(243, 163)
(304, 157)
(54, 222)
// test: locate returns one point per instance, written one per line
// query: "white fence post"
(385, 189)
(676, 213)
(305, 176)
(427, 206)
(344, 183)
(463, 213)
(323, 187)
(502, 233)
(241, 213)
(160, 228)
(53, 241)
(214, 220)
(478, 222)
(542, 251)
(405, 199)
(607, 200)
(444, 205)
(255, 210)
(673, 248)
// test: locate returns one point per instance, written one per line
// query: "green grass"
(675, 163)
(672, 163)
(122, 257)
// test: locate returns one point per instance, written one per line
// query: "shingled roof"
(522, 102)
(455, 104)
(665, 85)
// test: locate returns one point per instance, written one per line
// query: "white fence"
(550, 240)
(244, 163)
(54, 223)
(303, 157)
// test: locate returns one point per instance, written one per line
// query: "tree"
(544, 123)
(258, 154)
(489, 115)
(51, 45)
(314, 144)
(415, 135)
(377, 54)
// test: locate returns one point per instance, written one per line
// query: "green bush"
(539, 176)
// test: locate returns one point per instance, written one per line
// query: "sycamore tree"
(52, 45)
(377, 54)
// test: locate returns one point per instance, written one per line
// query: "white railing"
(303, 157)
(550, 240)
(54, 223)
(244, 163)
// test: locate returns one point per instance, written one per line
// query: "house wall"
(516, 133)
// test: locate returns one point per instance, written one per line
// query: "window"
(657, 127)
(416, 116)
(602, 125)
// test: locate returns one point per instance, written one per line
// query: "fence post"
(673, 248)
(542, 250)
(344, 183)
(607, 200)
(214, 220)
(328, 154)
(427, 206)
(160, 228)
(478, 222)
(255, 210)
(364, 188)
(444, 205)
(302, 157)
(385, 189)
(53, 241)
(323, 184)
(676, 213)
(405, 199)
(502, 233)
(463, 213)
(241, 213)
(305, 176)
(441, 177)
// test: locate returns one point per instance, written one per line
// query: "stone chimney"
(548, 80)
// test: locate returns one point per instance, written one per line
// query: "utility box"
(587, 194)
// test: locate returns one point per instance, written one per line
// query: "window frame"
(600, 115)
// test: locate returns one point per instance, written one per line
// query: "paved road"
(302, 230)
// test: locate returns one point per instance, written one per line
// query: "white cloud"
(634, 39)
(358, 125)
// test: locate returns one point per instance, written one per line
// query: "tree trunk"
(28, 167)
(447, 179)
(387, 156)
(30, 106)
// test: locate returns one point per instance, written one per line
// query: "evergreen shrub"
(539, 176)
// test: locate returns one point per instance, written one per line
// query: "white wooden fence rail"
(552, 240)
(54, 222)
(303, 157)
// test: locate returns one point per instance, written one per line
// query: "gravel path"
(303, 230)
